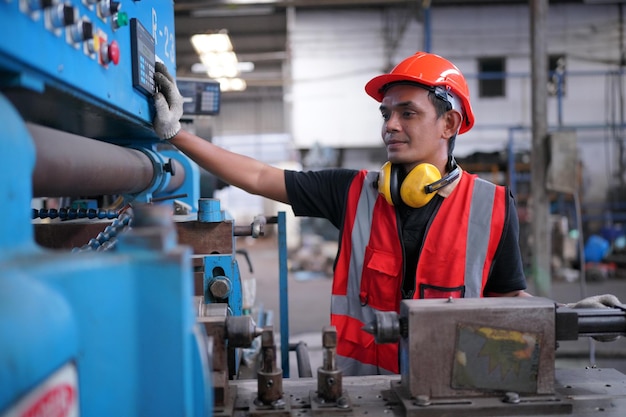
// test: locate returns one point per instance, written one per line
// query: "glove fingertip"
(160, 103)
(162, 69)
(160, 79)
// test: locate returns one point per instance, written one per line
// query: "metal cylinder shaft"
(573, 323)
(329, 378)
(269, 377)
(601, 321)
(72, 165)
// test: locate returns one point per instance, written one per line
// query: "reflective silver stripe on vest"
(346, 305)
(350, 305)
(478, 230)
(352, 367)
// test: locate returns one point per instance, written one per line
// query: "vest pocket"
(433, 291)
(380, 280)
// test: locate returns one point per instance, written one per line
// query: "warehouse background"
(305, 105)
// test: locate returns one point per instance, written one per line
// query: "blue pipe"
(427, 29)
(283, 293)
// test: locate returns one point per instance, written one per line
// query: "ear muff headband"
(447, 179)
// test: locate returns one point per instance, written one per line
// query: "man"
(419, 228)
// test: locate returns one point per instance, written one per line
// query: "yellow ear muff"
(384, 182)
(413, 191)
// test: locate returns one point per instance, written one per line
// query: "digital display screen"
(201, 96)
(145, 49)
(143, 58)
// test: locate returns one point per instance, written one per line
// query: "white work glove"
(168, 103)
(599, 301)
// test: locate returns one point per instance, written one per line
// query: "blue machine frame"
(43, 58)
(95, 333)
(119, 327)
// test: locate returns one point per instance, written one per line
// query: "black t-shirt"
(324, 193)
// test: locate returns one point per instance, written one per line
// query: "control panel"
(201, 96)
(86, 66)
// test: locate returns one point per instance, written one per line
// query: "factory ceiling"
(258, 30)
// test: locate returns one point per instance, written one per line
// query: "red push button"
(114, 52)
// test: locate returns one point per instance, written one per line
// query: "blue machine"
(95, 57)
(95, 333)
(98, 334)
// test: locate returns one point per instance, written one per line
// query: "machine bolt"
(342, 402)
(512, 398)
(422, 401)
(279, 404)
(220, 288)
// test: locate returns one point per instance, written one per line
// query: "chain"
(106, 239)
(72, 213)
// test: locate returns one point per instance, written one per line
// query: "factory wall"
(333, 55)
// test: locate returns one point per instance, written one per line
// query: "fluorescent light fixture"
(218, 59)
(212, 42)
(220, 64)
(233, 11)
(245, 66)
(232, 84)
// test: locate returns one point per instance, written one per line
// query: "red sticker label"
(57, 402)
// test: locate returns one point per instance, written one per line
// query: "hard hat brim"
(375, 87)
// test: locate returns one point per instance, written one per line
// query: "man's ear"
(453, 123)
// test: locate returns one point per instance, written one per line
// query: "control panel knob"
(62, 15)
(81, 31)
(108, 7)
(35, 5)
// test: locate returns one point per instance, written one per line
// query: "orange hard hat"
(429, 70)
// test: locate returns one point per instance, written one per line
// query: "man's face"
(411, 130)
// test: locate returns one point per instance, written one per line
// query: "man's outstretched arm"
(241, 171)
(238, 170)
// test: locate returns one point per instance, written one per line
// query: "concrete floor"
(309, 308)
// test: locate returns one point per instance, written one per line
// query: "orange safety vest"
(455, 261)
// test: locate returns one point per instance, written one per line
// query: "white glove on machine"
(597, 301)
(600, 301)
(168, 103)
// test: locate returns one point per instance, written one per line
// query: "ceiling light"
(220, 64)
(212, 42)
(233, 11)
(218, 59)
(245, 66)
(232, 84)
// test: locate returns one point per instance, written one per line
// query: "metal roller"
(72, 165)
